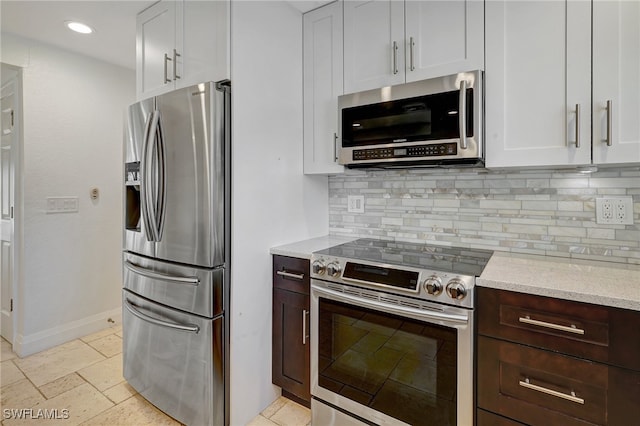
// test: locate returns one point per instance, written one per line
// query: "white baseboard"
(37, 342)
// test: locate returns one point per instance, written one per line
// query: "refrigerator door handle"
(160, 180)
(182, 327)
(144, 189)
(151, 175)
(160, 276)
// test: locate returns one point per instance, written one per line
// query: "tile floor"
(84, 376)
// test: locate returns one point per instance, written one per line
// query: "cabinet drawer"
(538, 387)
(485, 418)
(584, 330)
(291, 273)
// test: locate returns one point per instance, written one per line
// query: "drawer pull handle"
(290, 275)
(572, 329)
(572, 397)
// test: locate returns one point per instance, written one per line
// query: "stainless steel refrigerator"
(176, 252)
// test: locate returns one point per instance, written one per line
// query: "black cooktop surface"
(457, 260)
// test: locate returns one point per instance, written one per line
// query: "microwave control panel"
(433, 150)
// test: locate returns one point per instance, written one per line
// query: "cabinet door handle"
(395, 57)
(569, 397)
(335, 147)
(462, 114)
(305, 336)
(290, 275)
(411, 44)
(572, 329)
(175, 64)
(577, 125)
(166, 76)
(609, 118)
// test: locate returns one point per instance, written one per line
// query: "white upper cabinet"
(180, 43)
(439, 38)
(155, 41)
(537, 83)
(616, 82)
(443, 37)
(373, 44)
(322, 84)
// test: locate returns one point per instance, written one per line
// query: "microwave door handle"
(462, 114)
(144, 170)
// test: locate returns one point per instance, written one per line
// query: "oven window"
(401, 367)
(423, 118)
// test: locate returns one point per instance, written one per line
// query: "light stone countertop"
(303, 249)
(602, 283)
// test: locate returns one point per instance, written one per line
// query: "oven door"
(390, 360)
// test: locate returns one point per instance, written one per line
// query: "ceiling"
(114, 22)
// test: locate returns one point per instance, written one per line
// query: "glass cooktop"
(457, 260)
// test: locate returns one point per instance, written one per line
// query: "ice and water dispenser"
(132, 201)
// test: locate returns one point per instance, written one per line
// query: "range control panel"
(433, 150)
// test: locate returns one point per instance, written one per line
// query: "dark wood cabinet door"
(291, 343)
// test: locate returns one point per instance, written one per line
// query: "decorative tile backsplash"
(546, 212)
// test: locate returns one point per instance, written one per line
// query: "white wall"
(73, 125)
(273, 202)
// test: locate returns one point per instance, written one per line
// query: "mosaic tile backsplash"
(545, 212)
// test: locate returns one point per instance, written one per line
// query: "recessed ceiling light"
(79, 27)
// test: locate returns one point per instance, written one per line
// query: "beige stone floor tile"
(108, 346)
(99, 334)
(52, 364)
(21, 394)
(61, 385)
(104, 374)
(292, 414)
(275, 406)
(82, 402)
(6, 353)
(120, 392)
(9, 373)
(117, 329)
(134, 411)
(259, 420)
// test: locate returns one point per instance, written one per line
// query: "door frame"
(18, 188)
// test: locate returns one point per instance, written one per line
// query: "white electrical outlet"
(614, 210)
(355, 203)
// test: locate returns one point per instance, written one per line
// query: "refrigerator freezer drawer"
(189, 289)
(174, 360)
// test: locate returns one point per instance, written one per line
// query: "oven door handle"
(389, 308)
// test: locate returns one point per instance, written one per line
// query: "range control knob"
(318, 267)
(333, 269)
(433, 285)
(456, 289)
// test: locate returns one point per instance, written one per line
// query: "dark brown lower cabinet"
(485, 418)
(534, 375)
(291, 356)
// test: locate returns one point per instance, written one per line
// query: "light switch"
(62, 205)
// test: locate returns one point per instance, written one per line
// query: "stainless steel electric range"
(392, 333)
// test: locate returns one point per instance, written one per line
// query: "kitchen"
(545, 211)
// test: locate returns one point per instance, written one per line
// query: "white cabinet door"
(443, 37)
(616, 79)
(322, 75)
(374, 53)
(538, 57)
(202, 41)
(155, 29)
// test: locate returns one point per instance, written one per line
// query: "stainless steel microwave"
(432, 122)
